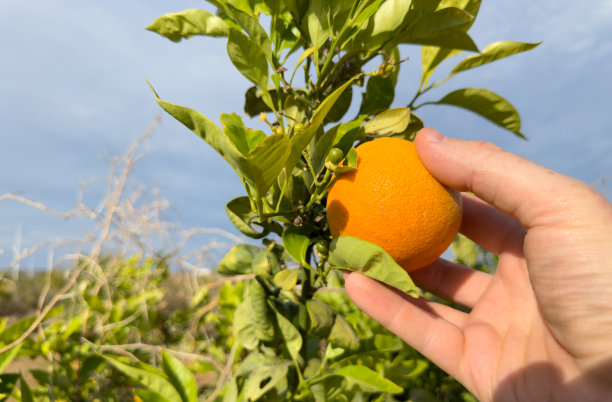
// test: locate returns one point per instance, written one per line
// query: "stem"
(334, 43)
(309, 163)
(282, 194)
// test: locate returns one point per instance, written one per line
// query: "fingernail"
(432, 135)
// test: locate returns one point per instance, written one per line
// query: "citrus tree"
(324, 76)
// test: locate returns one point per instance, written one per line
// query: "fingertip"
(429, 134)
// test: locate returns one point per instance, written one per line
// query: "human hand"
(540, 328)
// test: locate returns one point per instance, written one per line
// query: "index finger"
(512, 184)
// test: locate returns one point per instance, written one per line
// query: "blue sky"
(72, 85)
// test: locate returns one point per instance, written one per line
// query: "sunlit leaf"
(265, 262)
(251, 26)
(361, 22)
(7, 357)
(493, 52)
(238, 260)
(353, 254)
(388, 18)
(248, 58)
(367, 379)
(488, 105)
(347, 134)
(245, 219)
(148, 378)
(149, 396)
(265, 162)
(286, 279)
(182, 379)
(202, 126)
(389, 122)
(234, 129)
(431, 57)
(185, 24)
(318, 22)
(300, 141)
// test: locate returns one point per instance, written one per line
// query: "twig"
(184, 356)
(225, 373)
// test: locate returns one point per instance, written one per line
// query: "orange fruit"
(393, 201)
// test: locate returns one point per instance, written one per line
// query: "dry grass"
(129, 220)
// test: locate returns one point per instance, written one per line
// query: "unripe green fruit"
(322, 247)
(335, 156)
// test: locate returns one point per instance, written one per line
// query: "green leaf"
(388, 18)
(361, 21)
(488, 105)
(263, 372)
(296, 241)
(182, 379)
(14, 331)
(264, 328)
(321, 317)
(493, 52)
(305, 54)
(347, 134)
(264, 162)
(251, 25)
(389, 122)
(343, 335)
(300, 141)
(26, 391)
(150, 379)
(248, 57)
(200, 125)
(292, 339)
(445, 28)
(431, 57)
(465, 250)
(234, 129)
(8, 384)
(455, 40)
(7, 357)
(318, 22)
(185, 24)
(349, 163)
(286, 279)
(341, 106)
(265, 263)
(244, 139)
(244, 327)
(241, 214)
(149, 396)
(378, 96)
(367, 379)
(320, 147)
(353, 254)
(441, 23)
(238, 260)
